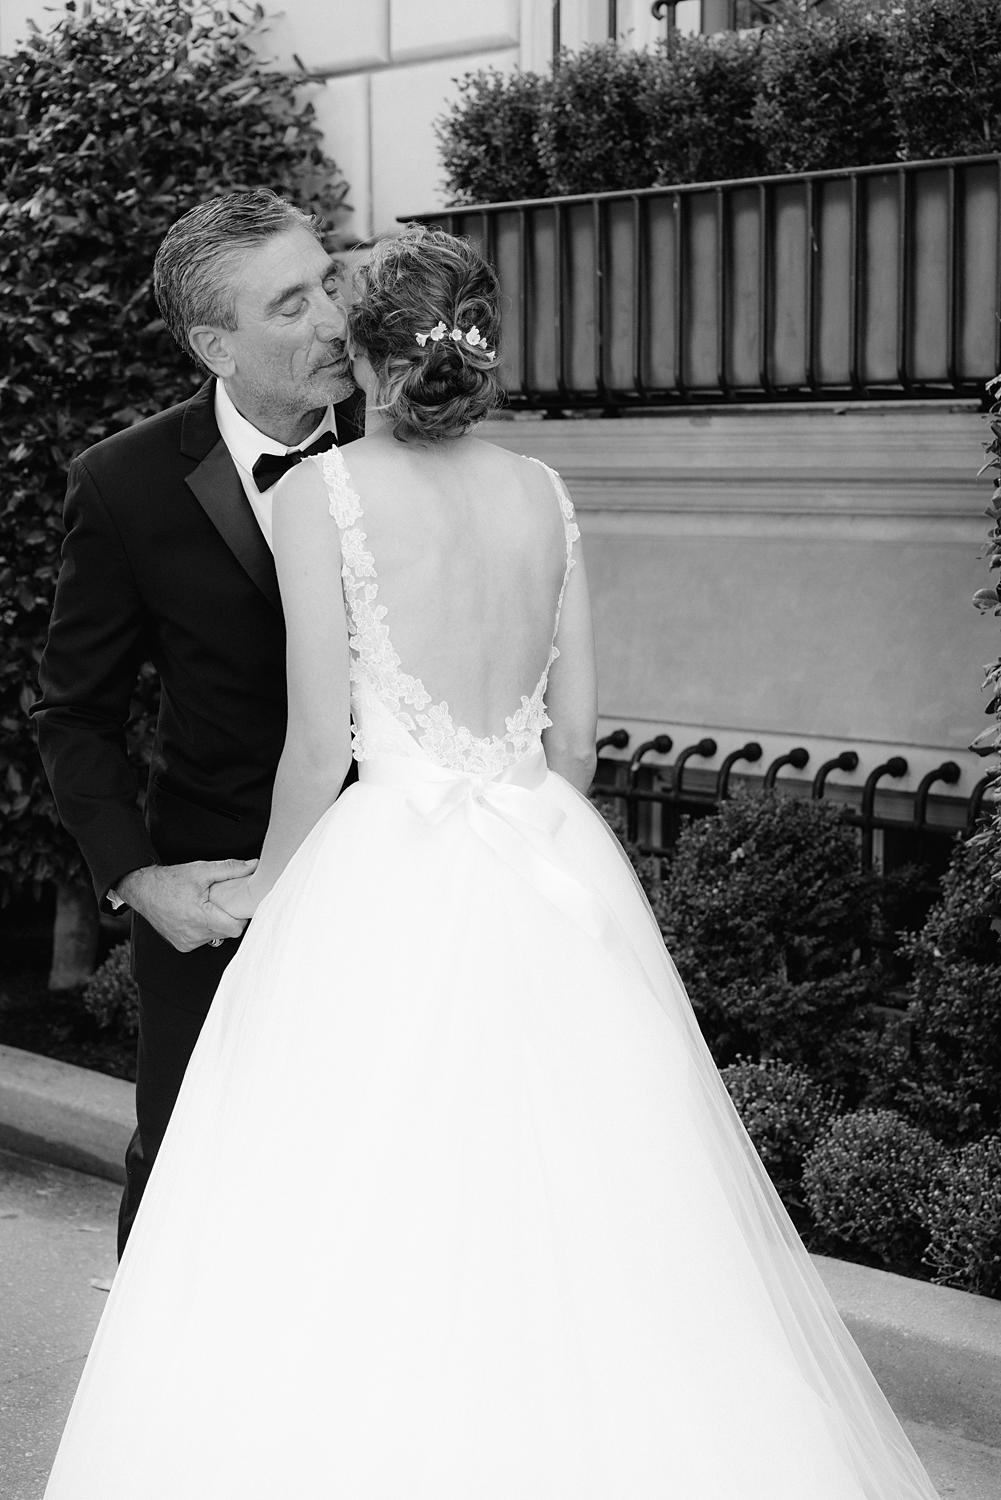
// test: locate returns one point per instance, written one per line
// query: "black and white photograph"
(500, 750)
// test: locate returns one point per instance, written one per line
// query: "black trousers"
(172, 1010)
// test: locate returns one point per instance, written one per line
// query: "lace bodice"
(393, 712)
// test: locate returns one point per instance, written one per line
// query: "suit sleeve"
(95, 646)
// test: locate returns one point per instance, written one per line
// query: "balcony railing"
(866, 283)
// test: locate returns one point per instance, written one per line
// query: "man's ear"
(212, 348)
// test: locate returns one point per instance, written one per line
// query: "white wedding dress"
(453, 1205)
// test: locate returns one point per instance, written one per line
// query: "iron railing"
(655, 797)
(865, 283)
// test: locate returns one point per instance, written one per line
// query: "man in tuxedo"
(167, 558)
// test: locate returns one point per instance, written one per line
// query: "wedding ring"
(215, 942)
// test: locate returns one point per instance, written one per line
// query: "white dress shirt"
(246, 445)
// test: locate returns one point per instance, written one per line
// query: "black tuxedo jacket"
(164, 561)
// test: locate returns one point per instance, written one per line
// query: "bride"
(528, 1252)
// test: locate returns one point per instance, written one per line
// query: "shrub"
(701, 110)
(112, 995)
(784, 1111)
(766, 914)
(595, 126)
(489, 138)
(112, 124)
(945, 80)
(823, 91)
(963, 1219)
(866, 1184)
(648, 868)
(953, 1078)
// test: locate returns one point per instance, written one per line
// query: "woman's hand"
(235, 897)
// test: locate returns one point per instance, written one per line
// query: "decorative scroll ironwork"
(655, 796)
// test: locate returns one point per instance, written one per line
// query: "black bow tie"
(270, 467)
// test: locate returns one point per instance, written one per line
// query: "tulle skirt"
(454, 1206)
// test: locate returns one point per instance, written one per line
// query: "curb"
(935, 1351)
(68, 1116)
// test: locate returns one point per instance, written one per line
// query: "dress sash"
(509, 811)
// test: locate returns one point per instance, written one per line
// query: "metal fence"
(864, 283)
(655, 797)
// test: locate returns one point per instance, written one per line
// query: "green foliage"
(595, 123)
(701, 110)
(112, 124)
(945, 78)
(766, 914)
(822, 91)
(866, 1183)
(784, 1111)
(988, 600)
(489, 137)
(822, 87)
(112, 995)
(963, 1219)
(952, 1078)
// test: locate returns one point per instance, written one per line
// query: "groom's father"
(167, 558)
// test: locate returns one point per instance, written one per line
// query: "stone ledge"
(69, 1116)
(935, 1351)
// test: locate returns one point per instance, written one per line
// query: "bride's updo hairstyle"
(425, 312)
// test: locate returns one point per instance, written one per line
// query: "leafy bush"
(112, 124)
(489, 138)
(866, 1183)
(112, 995)
(818, 89)
(952, 1082)
(784, 1111)
(822, 98)
(701, 110)
(766, 914)
(963, 1219)
(945, 78)
(595, 126)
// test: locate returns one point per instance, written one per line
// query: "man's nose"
(331, 322)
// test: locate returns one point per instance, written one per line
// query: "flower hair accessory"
(473, 337)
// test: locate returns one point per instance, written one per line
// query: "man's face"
(286, 354)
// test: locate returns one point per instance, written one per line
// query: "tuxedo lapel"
(216, 486)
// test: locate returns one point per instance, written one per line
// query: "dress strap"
(345, 504)
(571, 533)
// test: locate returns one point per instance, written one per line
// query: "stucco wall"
(791, 575)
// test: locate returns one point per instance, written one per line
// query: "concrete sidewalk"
(936, 1352)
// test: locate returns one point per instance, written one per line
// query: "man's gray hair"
(194, 266)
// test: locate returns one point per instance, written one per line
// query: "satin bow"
(508, 811)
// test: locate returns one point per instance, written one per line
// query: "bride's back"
(469, 548)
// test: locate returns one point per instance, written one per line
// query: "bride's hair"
(413, 283)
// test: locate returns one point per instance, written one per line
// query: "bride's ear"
(211, 347)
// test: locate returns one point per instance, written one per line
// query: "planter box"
(870, 282)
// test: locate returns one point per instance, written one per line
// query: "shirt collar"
(246, 443)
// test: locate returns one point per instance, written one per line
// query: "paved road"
(57, 1239)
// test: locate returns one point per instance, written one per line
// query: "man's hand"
(175, 900)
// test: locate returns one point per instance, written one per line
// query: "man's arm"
(87, 675)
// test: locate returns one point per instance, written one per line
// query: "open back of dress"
(393, 710)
